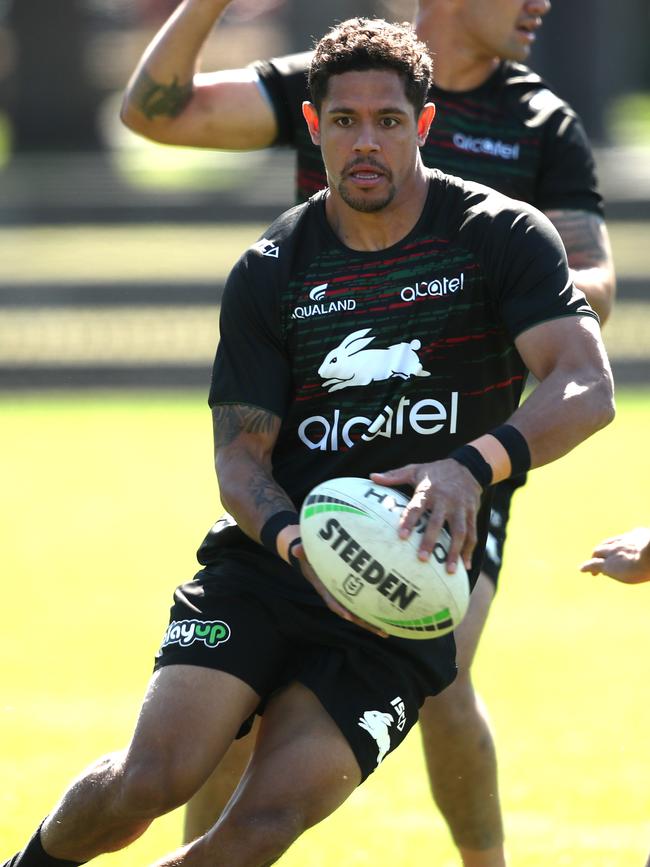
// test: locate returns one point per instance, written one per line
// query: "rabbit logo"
(350, 363)
(376, 724)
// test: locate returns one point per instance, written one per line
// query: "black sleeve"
(284, 80)
(251, 364)
(536, 286)
(567, 179)
(525, 265)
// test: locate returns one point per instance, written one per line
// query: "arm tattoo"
(268, 497)
(582, 236)
(153, 98)
(255, 479)
(230, 421)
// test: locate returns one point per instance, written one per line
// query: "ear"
(313, 124)
(424, 122)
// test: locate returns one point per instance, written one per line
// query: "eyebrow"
(387, 110)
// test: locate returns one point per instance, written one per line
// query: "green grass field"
(104, 501)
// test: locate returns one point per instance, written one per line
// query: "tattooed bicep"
(154, 98)
(234, 419)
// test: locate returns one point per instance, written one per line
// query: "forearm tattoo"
(153, 98)
(268, 497)
(257, 481)
(231, 421)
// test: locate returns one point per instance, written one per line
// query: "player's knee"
(152, 784)
(452, 707)
(265, 834)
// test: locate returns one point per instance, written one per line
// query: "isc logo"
(400, 710)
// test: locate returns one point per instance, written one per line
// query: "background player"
(497, 123)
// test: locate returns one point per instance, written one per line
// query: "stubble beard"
(366, 205)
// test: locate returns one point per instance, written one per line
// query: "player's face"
(503, 28)
(369, 135)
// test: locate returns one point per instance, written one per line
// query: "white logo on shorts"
(376, 723)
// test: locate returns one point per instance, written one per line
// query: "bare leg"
(204, 808)
(460, 752)
(114, 801)
(302, 769)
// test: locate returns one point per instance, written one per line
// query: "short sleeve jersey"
(373, 360)
(512, 133)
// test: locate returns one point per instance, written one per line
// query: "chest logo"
(318, 292)
(488, 146)
(350, 363)
(320, 305)
(433, 288)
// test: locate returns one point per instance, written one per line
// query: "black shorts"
(499, 513)
(371, 687)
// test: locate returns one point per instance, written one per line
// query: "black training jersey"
(373, 360)
(511, 133)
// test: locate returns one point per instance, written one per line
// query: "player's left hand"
(451, 495)
(308, 571)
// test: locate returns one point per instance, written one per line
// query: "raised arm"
(586, 241)
(170, 101)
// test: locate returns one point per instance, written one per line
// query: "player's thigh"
(205, 807)
(189, 717)
(302, 765)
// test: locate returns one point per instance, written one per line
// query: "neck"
(380, 229)
(457, 63)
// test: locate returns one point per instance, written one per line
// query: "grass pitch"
(104, 501)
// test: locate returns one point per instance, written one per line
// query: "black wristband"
(473, 460)
(275, 524)
(514, 442)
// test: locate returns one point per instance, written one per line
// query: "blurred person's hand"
(625, 557)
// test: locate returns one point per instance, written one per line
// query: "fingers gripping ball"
(349, 532)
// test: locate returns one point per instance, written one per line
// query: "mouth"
(528, 28)
(365, 174)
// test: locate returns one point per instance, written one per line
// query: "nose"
(538, 7)
(366, 139)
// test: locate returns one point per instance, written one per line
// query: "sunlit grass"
(629, 119)
(104, 501)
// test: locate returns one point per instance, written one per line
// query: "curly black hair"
(359, 44)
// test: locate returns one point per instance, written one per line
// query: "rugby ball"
(349, 533)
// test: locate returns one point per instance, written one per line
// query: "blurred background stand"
(52, 101)
(594, 52)
(113, 249)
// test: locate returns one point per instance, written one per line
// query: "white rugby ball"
(349, 533)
